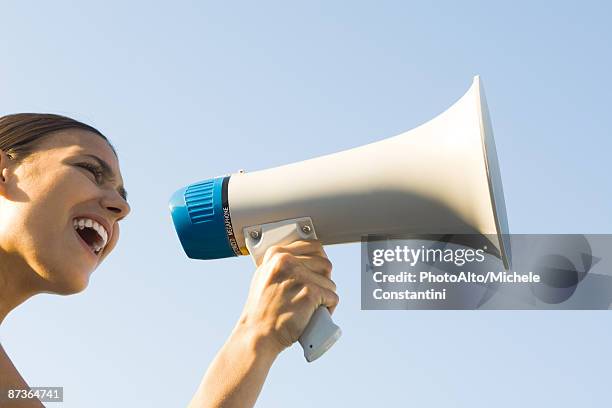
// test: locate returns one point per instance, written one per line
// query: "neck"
(16, 283)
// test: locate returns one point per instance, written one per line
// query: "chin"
(68, 283)
(72, 287)
(62, 269)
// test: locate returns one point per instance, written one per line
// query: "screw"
(254, 234)
(306, 229)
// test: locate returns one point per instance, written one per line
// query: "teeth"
(100, 230)
(81, 223)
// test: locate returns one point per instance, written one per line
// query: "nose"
(115, 203)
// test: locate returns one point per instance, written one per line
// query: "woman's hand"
(288, 286)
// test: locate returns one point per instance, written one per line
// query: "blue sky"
(196, 89)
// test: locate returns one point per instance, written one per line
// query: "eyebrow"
(108, 174)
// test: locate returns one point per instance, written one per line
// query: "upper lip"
(100, 220)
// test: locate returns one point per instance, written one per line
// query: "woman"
(61, 192)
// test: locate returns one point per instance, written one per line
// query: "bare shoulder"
(10, 379)
(9, 376)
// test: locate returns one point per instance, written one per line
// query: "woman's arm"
(237, 374)
(287, 288)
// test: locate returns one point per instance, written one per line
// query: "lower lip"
(87, 247)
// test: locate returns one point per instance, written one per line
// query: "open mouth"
(93, 233)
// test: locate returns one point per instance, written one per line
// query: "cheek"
(61, 190)
(48, 205)
(68, 186)
(46, 216)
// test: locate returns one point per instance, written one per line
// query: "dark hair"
(20, 132)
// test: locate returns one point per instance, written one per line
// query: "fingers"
(304, 264)
(290, 284)
(317, 264)
(305, 276)
(301, 278)
(283, 265)
(317, 296)
(320, 277)
(305, 247)
(297, 248)
(329, 299)
(309, 253)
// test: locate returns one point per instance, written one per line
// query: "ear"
(4, 172)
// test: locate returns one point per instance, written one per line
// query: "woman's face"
(60, 207)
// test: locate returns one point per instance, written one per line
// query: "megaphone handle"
(321, 332)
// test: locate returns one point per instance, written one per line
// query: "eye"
(93, 169)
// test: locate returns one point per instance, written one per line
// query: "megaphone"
(440, 178)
